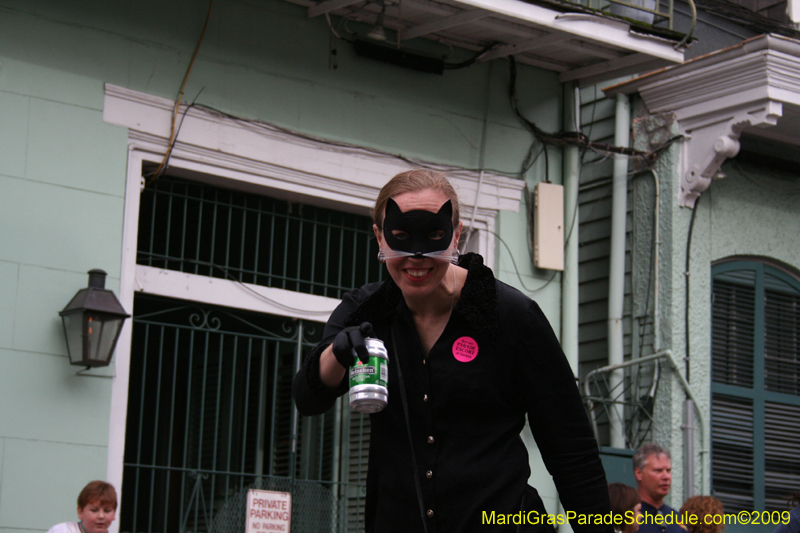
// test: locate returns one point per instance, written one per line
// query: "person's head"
(652, 468)
(701, 506)
(97, 506)
(417, 225)
(624, 498)
(414, 181)
(793, 500)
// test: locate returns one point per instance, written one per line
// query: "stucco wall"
(751, 212)
(63, 170)
(671, 248)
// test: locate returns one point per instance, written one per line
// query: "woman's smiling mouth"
(417, 273)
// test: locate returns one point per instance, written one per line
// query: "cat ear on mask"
(446, 209)
(392, 209)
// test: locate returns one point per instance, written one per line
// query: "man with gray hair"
(652, 468)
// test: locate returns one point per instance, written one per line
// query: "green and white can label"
(374, 372)
(369, 391)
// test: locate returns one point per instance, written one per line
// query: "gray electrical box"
(548, 226)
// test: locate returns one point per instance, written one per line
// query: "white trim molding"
(184, 286)
(717, 96)
(280, 160)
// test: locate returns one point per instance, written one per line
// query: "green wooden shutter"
(732, 451)
(781, 453)
(733, 323)
(781, 334)
(755, 390)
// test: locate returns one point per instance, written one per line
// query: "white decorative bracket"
(711, 141)
(715, 96)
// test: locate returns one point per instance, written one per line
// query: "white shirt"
(65, 527)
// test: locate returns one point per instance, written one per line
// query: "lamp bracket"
(83, 373)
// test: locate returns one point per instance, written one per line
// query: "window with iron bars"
(212, 231)
(210, 412)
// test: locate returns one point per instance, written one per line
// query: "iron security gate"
(211, 416)
(210, 412)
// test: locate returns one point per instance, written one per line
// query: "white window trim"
(254, 157)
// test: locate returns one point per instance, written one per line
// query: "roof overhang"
(752, 87)
(582, 46)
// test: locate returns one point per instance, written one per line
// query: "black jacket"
(466, 415)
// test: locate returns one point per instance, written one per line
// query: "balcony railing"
(655, 13)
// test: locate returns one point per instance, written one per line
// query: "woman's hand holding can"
(349, 344)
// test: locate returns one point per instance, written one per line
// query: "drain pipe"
(616, 269)
(688, 441)
(569, 277)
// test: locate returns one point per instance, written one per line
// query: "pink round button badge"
(465, 349)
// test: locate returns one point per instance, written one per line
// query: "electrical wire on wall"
(687, 273)
(651, 390)
(516, 270)
(342, 147)
(542, 140)
(653, 237)
(173, 135)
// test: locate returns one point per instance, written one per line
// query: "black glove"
(349, 344)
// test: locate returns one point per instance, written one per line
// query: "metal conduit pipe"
(569, 278)
(687, 39)
(616, 268)
(656, 262)
(688, 449)
(670, 357)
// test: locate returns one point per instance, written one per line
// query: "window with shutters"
(755, 358)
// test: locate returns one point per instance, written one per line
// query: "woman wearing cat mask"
(469, 358)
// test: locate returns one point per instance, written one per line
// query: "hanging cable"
(687, 273)
(653, 238)
(343, 147)
(470, 61)
(514, 263)
(545, 139)
(173, 132)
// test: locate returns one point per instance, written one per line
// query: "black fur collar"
(478, 302)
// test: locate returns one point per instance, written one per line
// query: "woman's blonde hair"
(412, 181)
